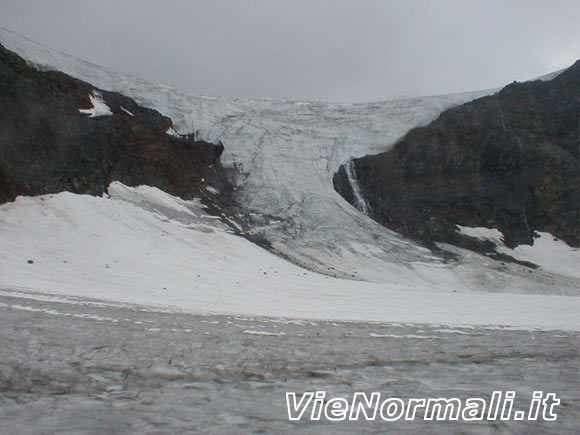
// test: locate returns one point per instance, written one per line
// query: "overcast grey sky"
(333, 50)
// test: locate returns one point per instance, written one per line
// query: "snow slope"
(143, 246)
(547, 251)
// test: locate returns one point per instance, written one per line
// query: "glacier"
(285, 154)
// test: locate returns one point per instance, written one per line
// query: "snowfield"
(143, 246)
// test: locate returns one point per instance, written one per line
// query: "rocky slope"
(58, 133)
(507, 161)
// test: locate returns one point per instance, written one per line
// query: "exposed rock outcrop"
(48, 145)
(508, 161)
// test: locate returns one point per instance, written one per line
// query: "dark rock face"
(342, 185)
(507, 161)
(47, 145)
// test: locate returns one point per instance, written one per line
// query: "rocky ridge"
(508, 161)
(58, 133)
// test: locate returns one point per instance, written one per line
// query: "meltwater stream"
(359, 201)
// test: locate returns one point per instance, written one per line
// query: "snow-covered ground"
(547, 251)
(143, 246)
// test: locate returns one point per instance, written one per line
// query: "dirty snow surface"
(139, 312)
(79, 367)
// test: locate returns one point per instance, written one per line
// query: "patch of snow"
(482, 233)
(550, 253)
(414, 336)
(273, 334)
(59, 313)
(451, 331)
(99, 108)
(171, 132)
(547, 251)
(233, 223)
(126, 111)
